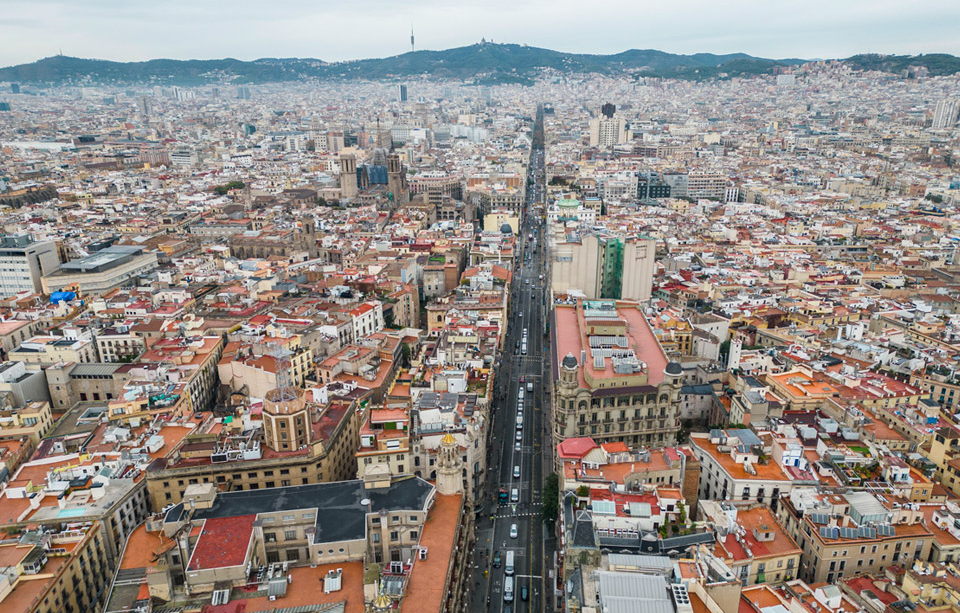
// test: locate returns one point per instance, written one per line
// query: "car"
(521, 313)
(496, 559)
(521, 376)
(517, 344)
(513, 531)
(516, 472)
(519, 436)
(524, 593)
(517, 446)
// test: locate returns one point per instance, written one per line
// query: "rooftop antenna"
(285, 387)
(412, 48)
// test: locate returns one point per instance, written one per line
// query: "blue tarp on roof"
(58, 297)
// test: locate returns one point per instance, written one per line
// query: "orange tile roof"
(427, 582)
(770, 471)
(21, 599)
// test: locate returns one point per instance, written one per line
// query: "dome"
(673, 368)
(382, 603)
(569, 361)
(506, 229)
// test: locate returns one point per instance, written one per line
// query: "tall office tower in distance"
(14, 88)
(243, 92)
(608, 110)
(403, 92)
(946, 113)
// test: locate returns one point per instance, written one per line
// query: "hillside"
(486, 62)
(938, 64)
(481, 63)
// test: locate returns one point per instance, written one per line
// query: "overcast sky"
(128, 30)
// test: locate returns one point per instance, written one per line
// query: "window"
(290, 535)
(413, 534)
(394, 536)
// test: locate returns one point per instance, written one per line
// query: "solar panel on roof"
(820, 518)
(826, 532)
(849, 533)
(886, 530)
(868, 532)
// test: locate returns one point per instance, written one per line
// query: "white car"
(513, 531)
(517, 446)
(519, 436)
(516, 472)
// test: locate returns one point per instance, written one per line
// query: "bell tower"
(396, 179)
(348, 176)
(449, 466)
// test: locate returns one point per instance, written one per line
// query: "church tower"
(348, 176)
(449, 467)
(396, 179)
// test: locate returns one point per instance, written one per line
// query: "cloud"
(336, 30)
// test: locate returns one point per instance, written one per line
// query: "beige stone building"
(318, 449)
(613, 382)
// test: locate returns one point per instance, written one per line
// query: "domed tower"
(380, 604)
(506, 229)
(669, 398)
(449, 466)
(568, 386)
(673, 374)
(286, 418)
(568, 372)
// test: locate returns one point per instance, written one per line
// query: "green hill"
(480, 63)
(485, 62)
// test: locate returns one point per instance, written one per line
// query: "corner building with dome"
(612, 379)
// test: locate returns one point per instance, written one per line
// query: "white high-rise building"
(946, 113)
(607, 132)
(23, 262)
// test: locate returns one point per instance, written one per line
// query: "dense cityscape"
(599, 343)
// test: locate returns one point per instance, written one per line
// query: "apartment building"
(857, 532)
(304, 545)
(613, 382)
(604, 266)
(735, 465)
(752, 542)
(607, 131)
(64, 570)
(303, 442)
(73, 346)
(23, 262)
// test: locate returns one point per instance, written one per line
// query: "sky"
(134, 30)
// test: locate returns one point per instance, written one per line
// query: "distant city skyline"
(176, 29)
